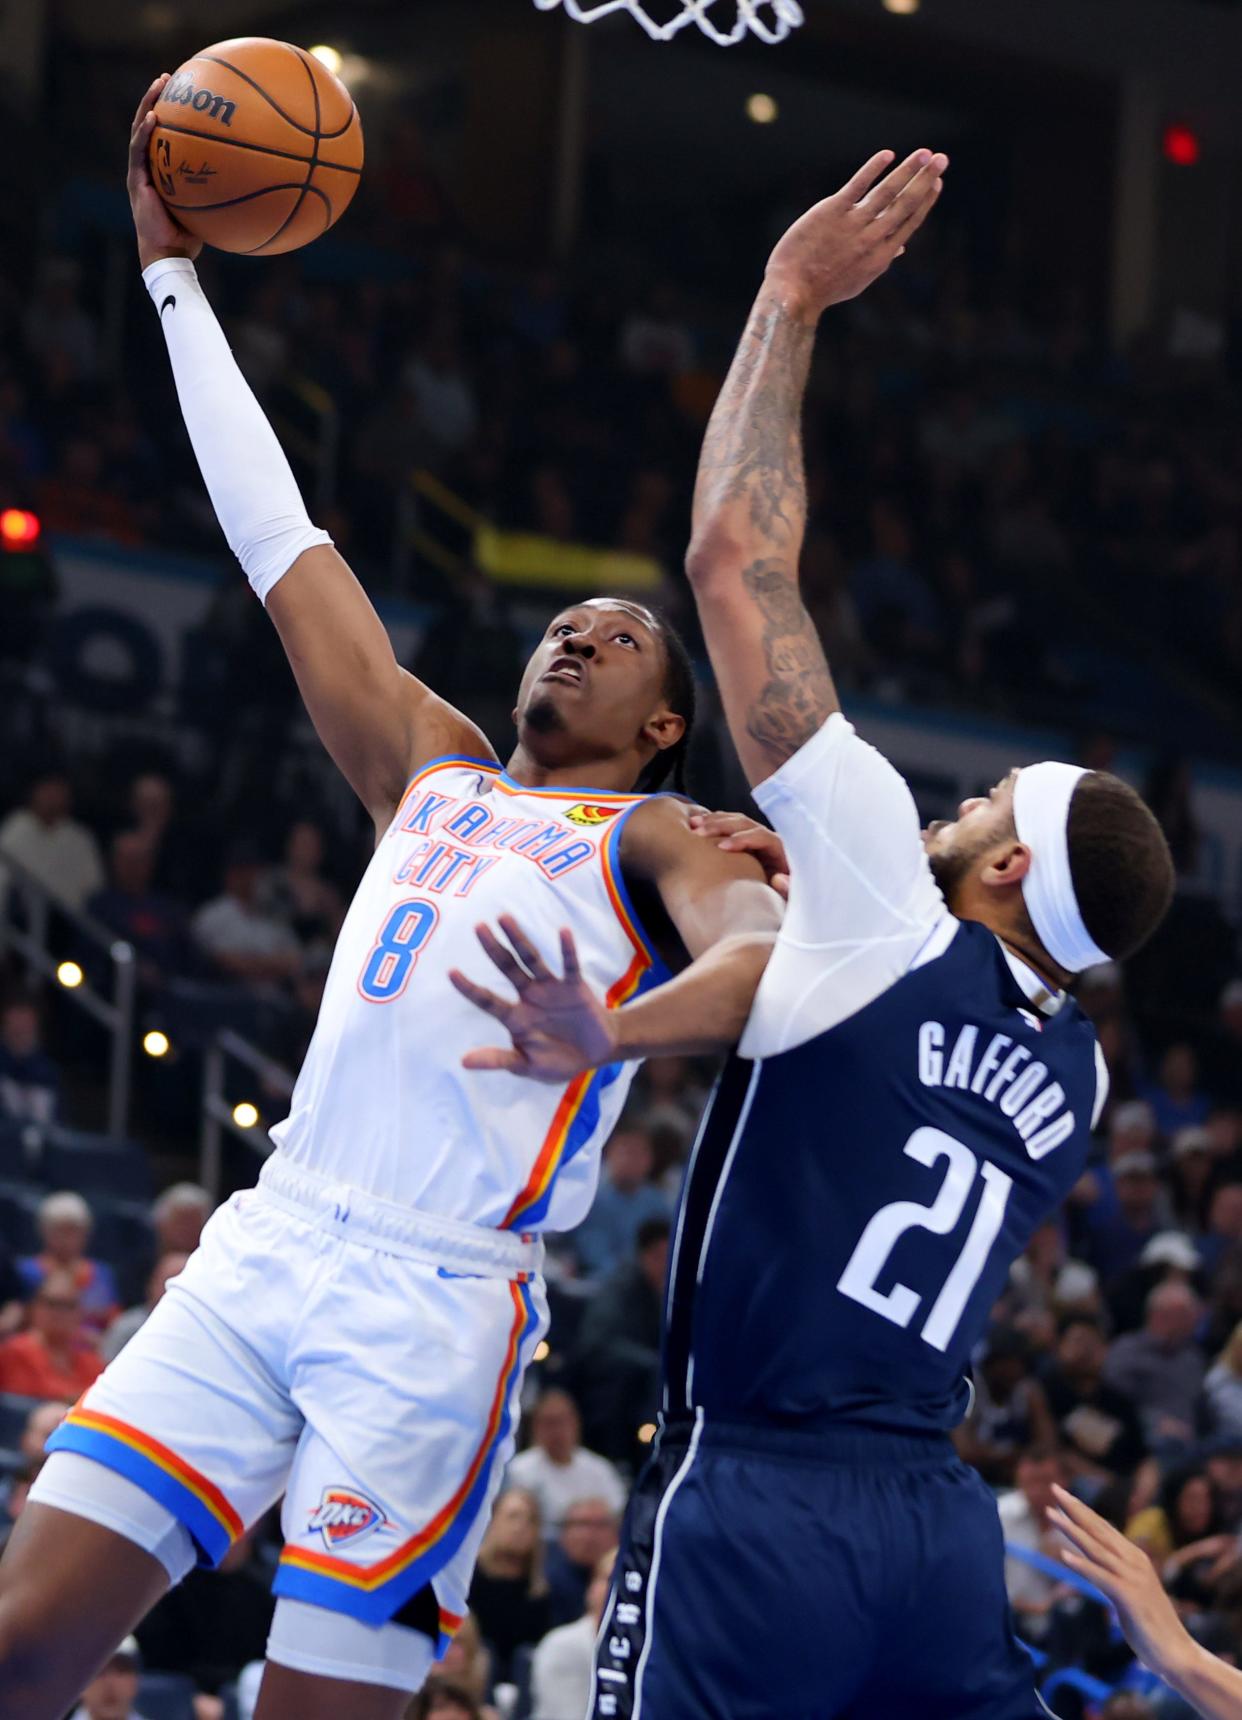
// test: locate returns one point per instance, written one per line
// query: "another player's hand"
(159, 234)
(558, 1026)
(839, 247)
(737, 834)
(1126, 1575)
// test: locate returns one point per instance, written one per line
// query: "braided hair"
(679, 691)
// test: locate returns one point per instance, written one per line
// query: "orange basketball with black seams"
(257, 147)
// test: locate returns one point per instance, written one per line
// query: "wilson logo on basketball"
(342, 1515)
(183, 89)
(585, 814)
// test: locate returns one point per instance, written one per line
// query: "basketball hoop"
(770, 20)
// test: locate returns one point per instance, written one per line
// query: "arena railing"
(319, 445)
(219, 1113)
(33, 942)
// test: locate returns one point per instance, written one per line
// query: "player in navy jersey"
(912, 1095)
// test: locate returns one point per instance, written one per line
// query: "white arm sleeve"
(252, 489)
(862, 901)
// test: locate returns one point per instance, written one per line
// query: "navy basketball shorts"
(770, 1575)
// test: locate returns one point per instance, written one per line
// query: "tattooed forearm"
(750, 474)
(798, 697)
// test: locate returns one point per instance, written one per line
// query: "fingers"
(480, 996)
(503, 957)
(526, 951)
(140, 132)
(857, 188)
(569, 956)
(911, 210)
(885, 193)
(779, 882)
(491, 1057)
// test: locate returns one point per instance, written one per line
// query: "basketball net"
(770, 20)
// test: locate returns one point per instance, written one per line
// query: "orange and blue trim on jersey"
(193, 1500)
(373, 1593)
(577, 1116)
(447, 761)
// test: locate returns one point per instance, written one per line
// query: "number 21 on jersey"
(876, 1244)
(394, 953)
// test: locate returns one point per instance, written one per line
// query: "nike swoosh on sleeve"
(170, 300)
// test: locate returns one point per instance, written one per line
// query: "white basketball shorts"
(360, 1358)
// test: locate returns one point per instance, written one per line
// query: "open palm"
(556, 1024)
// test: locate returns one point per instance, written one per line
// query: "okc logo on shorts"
(343, 1515)
(590, 815)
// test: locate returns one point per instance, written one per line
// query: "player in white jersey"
(352, 1334)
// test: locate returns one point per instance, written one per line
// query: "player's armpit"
(708, 893)
(378, 722)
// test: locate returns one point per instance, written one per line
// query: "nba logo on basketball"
(343, 1515)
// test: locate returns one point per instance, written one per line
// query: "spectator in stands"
(1223, 1388)
(466, 1665)
(617, 1356)
(509, 1593)
(56, 325)
(298, 895)
(1223, 1063)
(625, 1200)
(179, 1215)
(439, 1701)
(1191, 1169)
(1160, 1369)
(558, 1470)
(125, 1325)
(77, 498)
(1176, 1098)
(1097, 1424)
(1118, 1230)
(445, 407)
(242, 941)
(1185, 1537)
(50, 1360)
(1223, 1457)
(1224, 1225)
(1010, 1411)
(41, 1424)
(1023, 1514)
(588, 1534)
(562, 1672)
(111, 1694)
(176, 850)
(65, 1224)
(130, 906)
(45, 838)
(213, 1623)
(1169, 1256)
(29, 1080)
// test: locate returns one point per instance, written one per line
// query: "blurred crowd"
(1005, 515)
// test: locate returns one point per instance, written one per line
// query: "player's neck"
(613, 775)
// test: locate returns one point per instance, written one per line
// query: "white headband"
(1041, 803)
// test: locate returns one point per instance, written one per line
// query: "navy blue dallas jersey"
(909, 1103)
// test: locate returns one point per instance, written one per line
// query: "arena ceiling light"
(329, 56)
(70, 975)
(245, 1115)
(902, 8)
(761, 108)
(156, 1044)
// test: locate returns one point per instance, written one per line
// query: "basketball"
(257, 147)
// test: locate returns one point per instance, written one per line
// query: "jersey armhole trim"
(446, 760)
(655, 968)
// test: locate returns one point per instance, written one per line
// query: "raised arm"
(378, 722)
(750, 498)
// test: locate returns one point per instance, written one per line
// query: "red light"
(1181, 145)
(19, 529)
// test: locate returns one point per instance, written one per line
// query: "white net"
(725, 21)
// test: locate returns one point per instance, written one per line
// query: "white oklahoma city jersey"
(382, 1102)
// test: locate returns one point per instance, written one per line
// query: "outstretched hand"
(835, 251)
(558, 1027)
(1123, 1572)
(159, 233)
